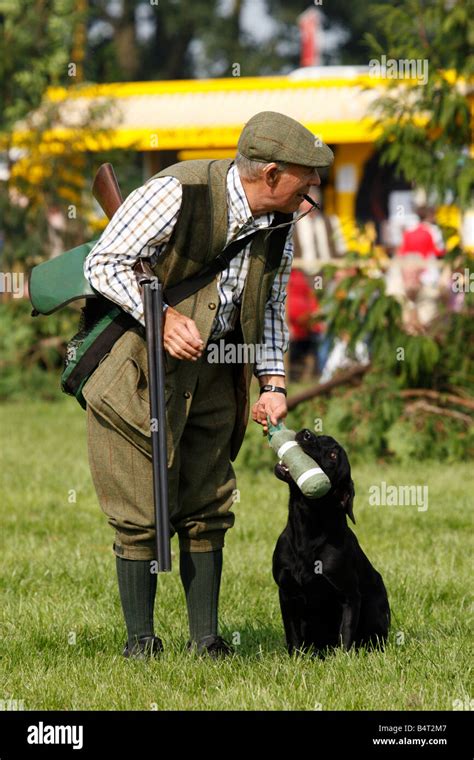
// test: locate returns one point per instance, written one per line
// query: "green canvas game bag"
(57, 282)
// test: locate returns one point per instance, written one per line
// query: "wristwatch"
(273, 389)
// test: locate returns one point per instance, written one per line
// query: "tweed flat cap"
(271, 136)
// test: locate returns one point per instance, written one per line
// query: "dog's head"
(334, 462)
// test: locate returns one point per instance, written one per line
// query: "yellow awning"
(196, 115)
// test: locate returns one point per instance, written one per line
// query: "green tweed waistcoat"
(198, 237)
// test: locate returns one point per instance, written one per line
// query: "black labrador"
(329, 592)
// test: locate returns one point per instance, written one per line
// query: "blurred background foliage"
(179, 40)
(112, 40)
(32, 350)
(427, 127)
(423, 383)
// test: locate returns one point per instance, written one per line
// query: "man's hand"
(273, 404)
(181, 338)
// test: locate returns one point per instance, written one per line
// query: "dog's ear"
(347, 500)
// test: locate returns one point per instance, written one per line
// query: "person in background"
(318, 240)
(340, 358)
(304, 326)
(424, 237)
(414, 277)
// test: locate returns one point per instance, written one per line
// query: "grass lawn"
(61, 624)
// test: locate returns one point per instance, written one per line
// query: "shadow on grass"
(255, 637)
(251, 640)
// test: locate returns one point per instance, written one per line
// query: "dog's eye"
(333, 455)
(308, 436)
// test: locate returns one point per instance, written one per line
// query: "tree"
(208, 37)
(427, 126)
(41, 175)
(423, 381)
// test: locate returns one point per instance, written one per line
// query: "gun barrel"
(153, 308)
(106, 191)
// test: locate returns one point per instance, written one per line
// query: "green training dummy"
(310, 479)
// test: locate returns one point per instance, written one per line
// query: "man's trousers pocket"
(118, 392)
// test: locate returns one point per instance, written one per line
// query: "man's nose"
(315, 179)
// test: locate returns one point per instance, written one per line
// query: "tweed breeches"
(201, 414)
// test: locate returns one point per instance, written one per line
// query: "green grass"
(58, 583)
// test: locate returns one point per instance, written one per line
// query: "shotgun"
(106, 191)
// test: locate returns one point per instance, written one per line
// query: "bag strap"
(191, 285)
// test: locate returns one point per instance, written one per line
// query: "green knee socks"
(137, 586)
(201, 577)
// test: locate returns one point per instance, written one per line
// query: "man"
(180, 220)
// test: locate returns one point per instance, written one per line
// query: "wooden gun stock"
(106, 190)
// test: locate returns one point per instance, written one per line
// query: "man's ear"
(347, 500)
(271, 173)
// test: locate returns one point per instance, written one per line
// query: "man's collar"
(238, 204)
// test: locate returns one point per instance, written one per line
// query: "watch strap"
(272, 389)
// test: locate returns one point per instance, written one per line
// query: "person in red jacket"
(424, 238)
(304, 327)
(417, 264)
